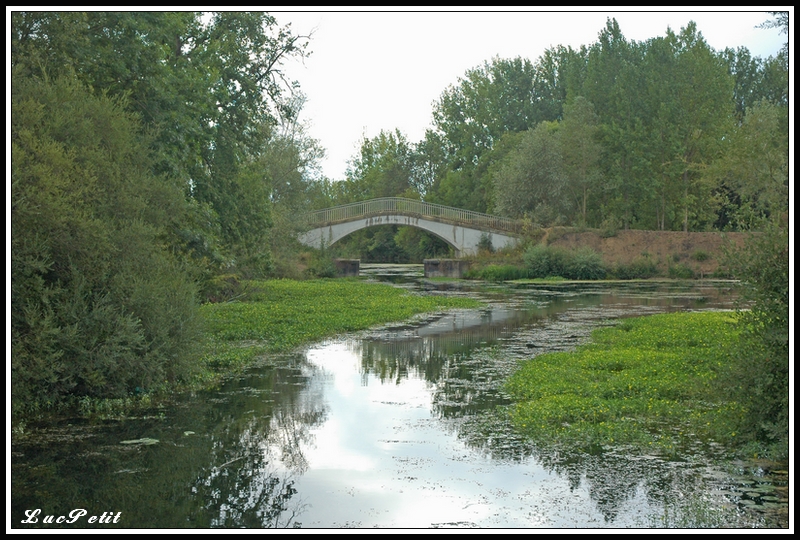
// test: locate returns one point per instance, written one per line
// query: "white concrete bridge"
(461, 229)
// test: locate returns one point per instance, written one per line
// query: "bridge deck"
(409, 207)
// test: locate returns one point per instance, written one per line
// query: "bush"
(495, 272)
(639, 268)
(545, 261)
(762, 367)
(485, 243)
(681, 271)
(322, 266)
(586, 263)
(537, 261)
(100, 306)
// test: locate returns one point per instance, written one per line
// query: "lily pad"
(144, 441)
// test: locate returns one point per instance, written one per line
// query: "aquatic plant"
(651, 382)
(279, 315)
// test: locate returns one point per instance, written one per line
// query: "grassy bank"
(654, 382)
(272, 316)
(278, 315)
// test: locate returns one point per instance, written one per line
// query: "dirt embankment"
(702, 252)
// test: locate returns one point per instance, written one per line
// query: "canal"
(395, 427)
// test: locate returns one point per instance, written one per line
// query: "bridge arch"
(461, 229)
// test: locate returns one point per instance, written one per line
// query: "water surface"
(395, 427)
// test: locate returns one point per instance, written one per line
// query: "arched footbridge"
(461, 229)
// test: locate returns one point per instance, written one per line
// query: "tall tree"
(99, 305)
(383, 168)
(490, 100)
(530, 180)
(581, 150)
(204, 89)
(615, 86)
(748, 77)
(754, 167)
(696, 111)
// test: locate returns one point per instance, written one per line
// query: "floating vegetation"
(651, 382)
(283, 314)
(146, 441)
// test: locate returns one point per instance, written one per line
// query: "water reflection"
(223, 459)
(393, 427)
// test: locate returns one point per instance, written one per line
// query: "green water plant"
(279, 315)
(650, 382)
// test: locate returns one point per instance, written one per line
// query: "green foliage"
(581, 154)
(753, 168)
(496, 272)
(609, 228)
(543, 261)
(278, 315)
(639, 268)
(761, 375)
(547, 261)
(420, 245)
(383, 169)
(485, 243)
(651, 382)
(700, 255)
(321, 266)
(211, 94)
(585, 263)
(531, 179)
(99, 306)
(680, 271)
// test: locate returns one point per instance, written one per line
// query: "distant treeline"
(665, 134)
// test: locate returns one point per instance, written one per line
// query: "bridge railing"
(399, 205)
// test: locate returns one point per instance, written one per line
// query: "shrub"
(101, 305)
(544, 261)
(762, 366)
(504, 272)
(681, 271)
(537, 261)
(321, 266)
(700, 255)
(639, 268)
(559, 262)
(586, 263)
(547, 261)
(609, 227)
(485, 243)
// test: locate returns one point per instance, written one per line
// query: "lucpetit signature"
(32, 516)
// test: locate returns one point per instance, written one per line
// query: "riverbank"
(251, 319)
(623, 254)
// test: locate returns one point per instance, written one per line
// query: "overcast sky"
(383, 70)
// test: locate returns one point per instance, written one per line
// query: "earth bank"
(702, 252)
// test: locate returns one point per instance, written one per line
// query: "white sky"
(383, 70)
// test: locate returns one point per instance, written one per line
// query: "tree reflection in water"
(466, 362)
(247, 455)
(223, 459)
(248, 490)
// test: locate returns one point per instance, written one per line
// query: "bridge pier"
(452, 268)
(347, 267)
